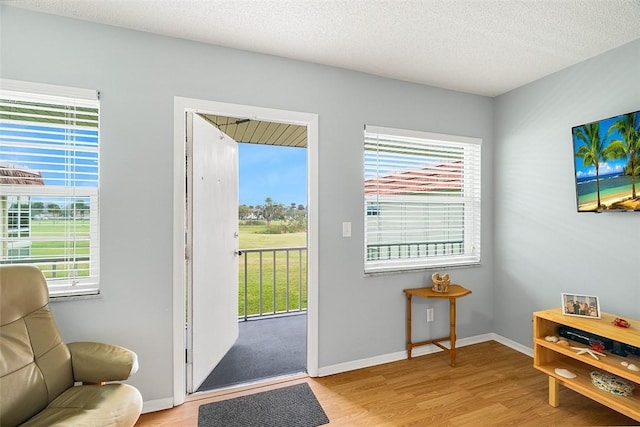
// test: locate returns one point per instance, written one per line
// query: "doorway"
(268, 238)
(210, 108)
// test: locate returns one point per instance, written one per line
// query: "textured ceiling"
(486, 47)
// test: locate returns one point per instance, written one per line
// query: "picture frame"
(580, 305)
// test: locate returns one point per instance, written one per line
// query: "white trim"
(32, 89)
(245, 386)
(430, 136)
(514, 345)
(48, 190)
(310, 120)
(179, 339)
(419, 351)
(157, 405)
(312, 245)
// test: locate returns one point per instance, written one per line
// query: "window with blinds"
(49, 182)
(422, 200)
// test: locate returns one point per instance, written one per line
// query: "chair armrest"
(94, 362)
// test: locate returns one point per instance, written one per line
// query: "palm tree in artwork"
(628, 146)
(592, 150)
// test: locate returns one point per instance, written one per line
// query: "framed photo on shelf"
(580, 305)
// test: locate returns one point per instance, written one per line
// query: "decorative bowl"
(611, 383)
(440, 283)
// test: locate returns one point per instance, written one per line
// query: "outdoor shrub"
(253, 222)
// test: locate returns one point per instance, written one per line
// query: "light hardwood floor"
(491, 385)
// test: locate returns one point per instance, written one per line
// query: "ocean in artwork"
(613, 188)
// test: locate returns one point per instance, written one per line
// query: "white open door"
(212, 235)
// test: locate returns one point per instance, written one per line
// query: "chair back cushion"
(35, 364)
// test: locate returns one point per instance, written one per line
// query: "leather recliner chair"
(38, 371)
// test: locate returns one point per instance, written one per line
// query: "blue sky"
(272, 171)
(608, 167)
(63, 155)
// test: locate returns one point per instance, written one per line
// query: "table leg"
(409, 343)
(452, 329)
(554, 392)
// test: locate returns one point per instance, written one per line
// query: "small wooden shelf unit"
(547, 356)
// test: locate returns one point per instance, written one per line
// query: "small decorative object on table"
(621, 322)
(612, 384)
(440, 283)
(589, 351)
(596, 345)
(630, 366)
(565, 373)
(580, 305)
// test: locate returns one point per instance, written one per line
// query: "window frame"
(460, 206)
(64, 150)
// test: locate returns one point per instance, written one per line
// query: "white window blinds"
(49, 181)
(422, 200)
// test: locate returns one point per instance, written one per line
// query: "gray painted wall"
(138, 75)
(542, 245)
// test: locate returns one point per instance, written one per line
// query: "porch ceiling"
(260, 132)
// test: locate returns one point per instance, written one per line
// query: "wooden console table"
(454, 292)
(548, 357)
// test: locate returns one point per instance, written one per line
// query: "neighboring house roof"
(12, 175)
(426, 180)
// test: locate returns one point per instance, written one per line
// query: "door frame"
(310, 120)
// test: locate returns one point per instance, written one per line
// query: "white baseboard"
(157, 405)
(419, 351)
(514, 345)
(362, 363)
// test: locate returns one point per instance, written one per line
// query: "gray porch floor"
(265, 348)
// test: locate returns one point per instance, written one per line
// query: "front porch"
(267, 347)
(272, 317)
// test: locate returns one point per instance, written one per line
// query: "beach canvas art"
(607, 164)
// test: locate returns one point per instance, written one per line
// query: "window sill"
(64, 298)
(430, 269)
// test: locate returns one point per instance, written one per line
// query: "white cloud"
(606, 168)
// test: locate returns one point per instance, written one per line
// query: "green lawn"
(41, 247)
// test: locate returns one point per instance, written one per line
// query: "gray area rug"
(293, 406)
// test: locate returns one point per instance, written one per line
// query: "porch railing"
(272, 281)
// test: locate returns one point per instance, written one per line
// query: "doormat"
(292, 406)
